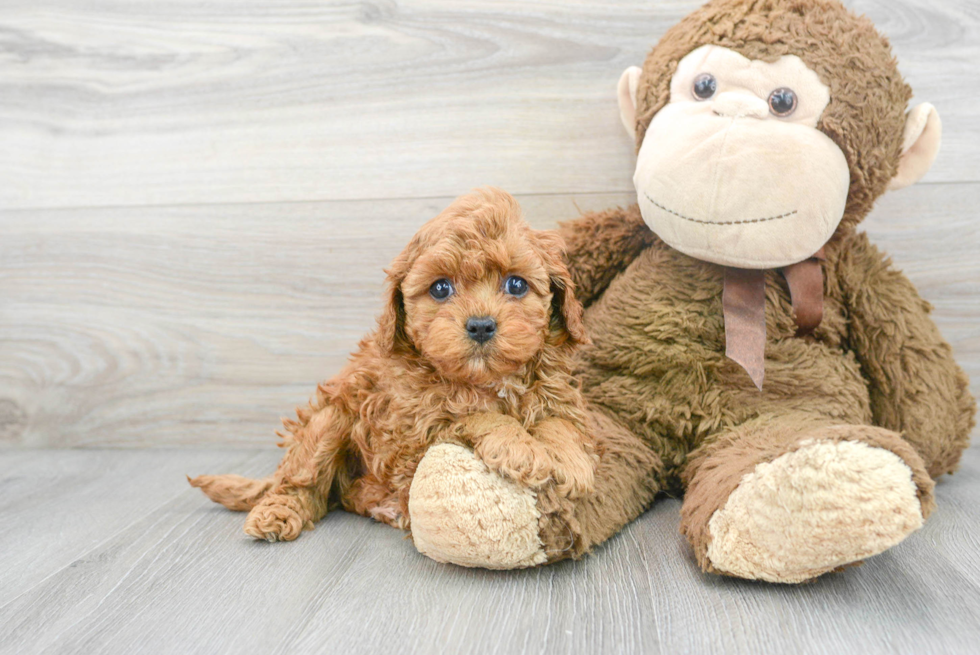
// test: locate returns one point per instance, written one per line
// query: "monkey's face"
(733, 170)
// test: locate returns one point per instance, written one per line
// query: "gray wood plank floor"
(154, 567)
(196, 202)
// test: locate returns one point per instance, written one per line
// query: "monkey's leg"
(788, 498)
(464, 513)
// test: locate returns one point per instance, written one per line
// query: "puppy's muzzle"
(481, 328)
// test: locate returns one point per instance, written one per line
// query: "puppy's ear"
(391, 335)
(566, 311)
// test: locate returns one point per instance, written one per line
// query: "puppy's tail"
(232, 491)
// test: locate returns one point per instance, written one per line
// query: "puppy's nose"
(481, 328)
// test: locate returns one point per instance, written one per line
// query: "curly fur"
(419, 379)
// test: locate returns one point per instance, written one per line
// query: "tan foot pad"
(463, 513)
(813, 510)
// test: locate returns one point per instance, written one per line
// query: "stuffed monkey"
(751, 349)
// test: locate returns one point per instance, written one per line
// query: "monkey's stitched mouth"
(696, 220)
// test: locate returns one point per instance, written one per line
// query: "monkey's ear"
(920, 145)
(626, 91)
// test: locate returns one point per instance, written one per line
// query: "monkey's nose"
(481, 328)
(735, 104)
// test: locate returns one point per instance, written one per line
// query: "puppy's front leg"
(572, 453)
(298, 499)
(506, 447)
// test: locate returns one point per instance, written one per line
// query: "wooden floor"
(196, 204)
(109, 551)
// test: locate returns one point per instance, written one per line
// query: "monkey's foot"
(813, 510)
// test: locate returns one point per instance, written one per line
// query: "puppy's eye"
(441, 289)
(515, 286)
(705, 86)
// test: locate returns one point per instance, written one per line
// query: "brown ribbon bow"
(744, 306)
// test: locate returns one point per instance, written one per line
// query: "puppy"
(474, 346)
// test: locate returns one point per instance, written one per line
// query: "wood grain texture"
(182, 578)
(146, 103)
(203, 325)
(56, 505)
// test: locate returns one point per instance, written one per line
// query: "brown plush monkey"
(751, 348)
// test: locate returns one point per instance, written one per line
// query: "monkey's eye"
(782, 101)
(515, 286)
(441, 289)
(705, 86)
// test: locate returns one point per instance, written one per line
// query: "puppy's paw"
(517, 456)
(574, 472)
(573, 454)
(276, 518)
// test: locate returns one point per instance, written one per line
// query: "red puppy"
(474, 346)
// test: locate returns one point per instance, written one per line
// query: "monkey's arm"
(600, 245)
(916, 387)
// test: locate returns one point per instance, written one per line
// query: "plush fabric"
(872, 392)
(812, 510)
(463, 513)
(866, 113)
(713, 186)
(920, 145)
